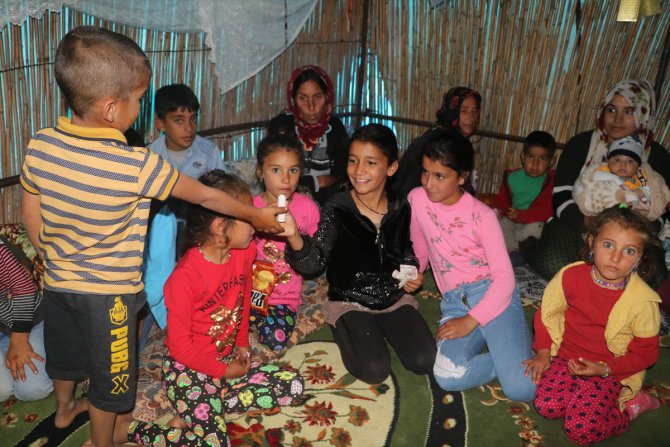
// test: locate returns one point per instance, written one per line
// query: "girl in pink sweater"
(277, 287)
(481, 307)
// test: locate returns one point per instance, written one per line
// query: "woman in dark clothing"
(459, 113)
(310, 96)
(363, 237)
(628, 110)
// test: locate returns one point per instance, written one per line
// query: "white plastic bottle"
(281, 202)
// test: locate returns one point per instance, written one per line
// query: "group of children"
(86, 204)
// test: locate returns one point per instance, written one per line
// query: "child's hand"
(512, 213)
(290, 226)
(456, 328)
(291, 233)
(19, 355)
(243, 353)
(265, 219)
(237, 368)
(641, 207)
(413, 285)
(583, 367)
(538, 364)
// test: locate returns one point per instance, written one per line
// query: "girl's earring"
(589, 257)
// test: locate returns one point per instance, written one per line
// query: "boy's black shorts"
(94, 336)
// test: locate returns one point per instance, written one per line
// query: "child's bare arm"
(190, 190)
(32, 218)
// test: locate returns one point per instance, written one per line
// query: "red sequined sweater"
(208, 304)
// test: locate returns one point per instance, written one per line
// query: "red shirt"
(589, 307)
(195, 291)
(538, 211)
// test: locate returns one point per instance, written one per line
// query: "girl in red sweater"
(208, 369)
(596, 331)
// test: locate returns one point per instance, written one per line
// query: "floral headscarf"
(641, 96)
(310, 134)
(449, 114)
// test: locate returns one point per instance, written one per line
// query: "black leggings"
(361, 337)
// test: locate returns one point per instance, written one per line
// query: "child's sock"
(641, 403)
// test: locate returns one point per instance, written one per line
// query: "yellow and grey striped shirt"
(95, 193)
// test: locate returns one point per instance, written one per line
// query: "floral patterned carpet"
(336, 409)
(405, 410)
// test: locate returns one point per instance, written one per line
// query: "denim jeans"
(37, 386)
(460, 363)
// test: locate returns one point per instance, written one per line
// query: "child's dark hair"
(92, 63)
(381, 137)
(170, 98)
(309, 75)
(454, 151)
(542, 139)
(279, 142)
(651, 266)
(200, 218)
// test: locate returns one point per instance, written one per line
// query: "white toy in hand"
(281, 202)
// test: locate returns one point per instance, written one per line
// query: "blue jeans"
(460, 363)
(37, 386)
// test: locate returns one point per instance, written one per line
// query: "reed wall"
(538, 64)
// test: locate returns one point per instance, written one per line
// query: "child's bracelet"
(607, 370)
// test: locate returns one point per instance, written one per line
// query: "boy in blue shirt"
(176, 108)
(85, 207)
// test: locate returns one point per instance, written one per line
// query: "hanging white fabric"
(244, 35)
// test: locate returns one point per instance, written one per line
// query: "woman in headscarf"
(310, 95)
(459, 113)
(627, 110)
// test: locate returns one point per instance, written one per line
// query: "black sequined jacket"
(359, 258)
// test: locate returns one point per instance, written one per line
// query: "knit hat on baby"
(629, 146)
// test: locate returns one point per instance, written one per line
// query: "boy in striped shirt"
(85, 207)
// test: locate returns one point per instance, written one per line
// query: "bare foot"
(177, 422)
(67, 411)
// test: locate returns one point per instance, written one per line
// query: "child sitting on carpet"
(596, 331)
(481, 307)
(523, 203)
(22, 369)
(208, 369)
(177, 109)
(277, 287)
(363, 237)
